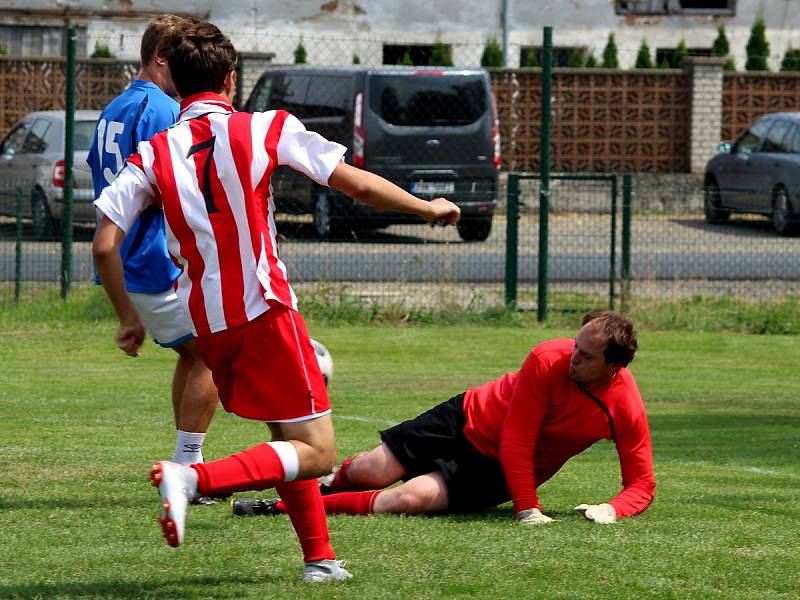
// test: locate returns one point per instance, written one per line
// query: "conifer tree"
(643, 58)
(757, 47)
(791, 60)
(679, 56)
(492, 54)
(575, 58)
(441, 55)
(300, 53)
(610, 59)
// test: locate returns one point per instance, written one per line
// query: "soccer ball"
(325, 361)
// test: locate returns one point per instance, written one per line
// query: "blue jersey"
(134, 116)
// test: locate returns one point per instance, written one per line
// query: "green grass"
(338, 304)
(81, 425)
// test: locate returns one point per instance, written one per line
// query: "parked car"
(32, 158)
(758, 173)
(433, 131)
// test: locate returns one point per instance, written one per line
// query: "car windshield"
(84, 132)
(428, 100)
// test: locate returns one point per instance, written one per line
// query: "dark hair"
(159, 36)
(201, 60)
(622, 344)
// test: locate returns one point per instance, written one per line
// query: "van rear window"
(428, 100)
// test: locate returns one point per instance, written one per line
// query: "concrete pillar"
(249, 67)
(705, 73)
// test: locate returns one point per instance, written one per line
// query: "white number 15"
(108, 132)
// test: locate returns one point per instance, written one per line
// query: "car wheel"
(475, 229)
(782, 217)
(711, 204)
(42, 221)
(322, 216)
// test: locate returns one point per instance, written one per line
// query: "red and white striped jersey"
(210, 173)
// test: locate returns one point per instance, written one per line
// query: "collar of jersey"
(203, 103)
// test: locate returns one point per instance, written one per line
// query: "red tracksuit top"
(537, 418)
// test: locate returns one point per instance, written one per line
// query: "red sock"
(303, 502)
(256, 468)
(341, 482)
(350, 503)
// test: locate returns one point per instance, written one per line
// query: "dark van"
(433, 131)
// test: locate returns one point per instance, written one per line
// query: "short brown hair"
(622, 344)
(201, 59)
(159, 37)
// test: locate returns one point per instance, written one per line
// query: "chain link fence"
(444, 132)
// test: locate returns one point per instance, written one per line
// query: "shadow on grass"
(206, 587)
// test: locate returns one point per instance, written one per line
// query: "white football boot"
(177, 485)
(318, 571)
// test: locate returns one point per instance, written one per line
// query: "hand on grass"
(532, 516)
(599, 513)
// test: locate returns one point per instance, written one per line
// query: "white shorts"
(163, 317)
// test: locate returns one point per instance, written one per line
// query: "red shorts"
(266, 369)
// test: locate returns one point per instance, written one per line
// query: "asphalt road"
(663, 248)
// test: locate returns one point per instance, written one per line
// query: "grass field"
(80, 425)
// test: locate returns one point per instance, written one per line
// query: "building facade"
(381, 31)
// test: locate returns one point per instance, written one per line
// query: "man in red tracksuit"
(500, 441)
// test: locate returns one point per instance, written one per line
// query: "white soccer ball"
(325, 361)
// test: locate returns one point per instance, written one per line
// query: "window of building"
(393, 54)
(666, 7)
(28, 40)
(668, 54)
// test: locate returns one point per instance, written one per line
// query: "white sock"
(188, 447)
(287, 454)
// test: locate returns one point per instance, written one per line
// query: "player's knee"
(411, 502)
(326, 459)
(361, 469)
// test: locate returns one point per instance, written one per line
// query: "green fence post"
(512, 249)
(627, 204)
(612, 272)
(69, 155)
(18, 248)
(544, 187)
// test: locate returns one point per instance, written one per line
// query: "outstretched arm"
(638, 481)
(375, 190)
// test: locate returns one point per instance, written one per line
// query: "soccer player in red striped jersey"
(210, 174)
(502, 440)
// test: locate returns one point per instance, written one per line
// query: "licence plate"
(433, 187)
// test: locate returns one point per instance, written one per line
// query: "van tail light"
(496, 157)
(359, 135)
(58, 174)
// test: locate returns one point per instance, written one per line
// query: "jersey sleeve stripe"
(189, 280)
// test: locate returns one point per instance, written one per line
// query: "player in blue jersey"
(141, 111)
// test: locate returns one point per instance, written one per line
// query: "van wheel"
(43, 226)
(782, 218)
(475, 229)
(711, 204)
(322, 216)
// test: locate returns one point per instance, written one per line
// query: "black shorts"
(435, 441)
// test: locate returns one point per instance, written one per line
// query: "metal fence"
(333, 250)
